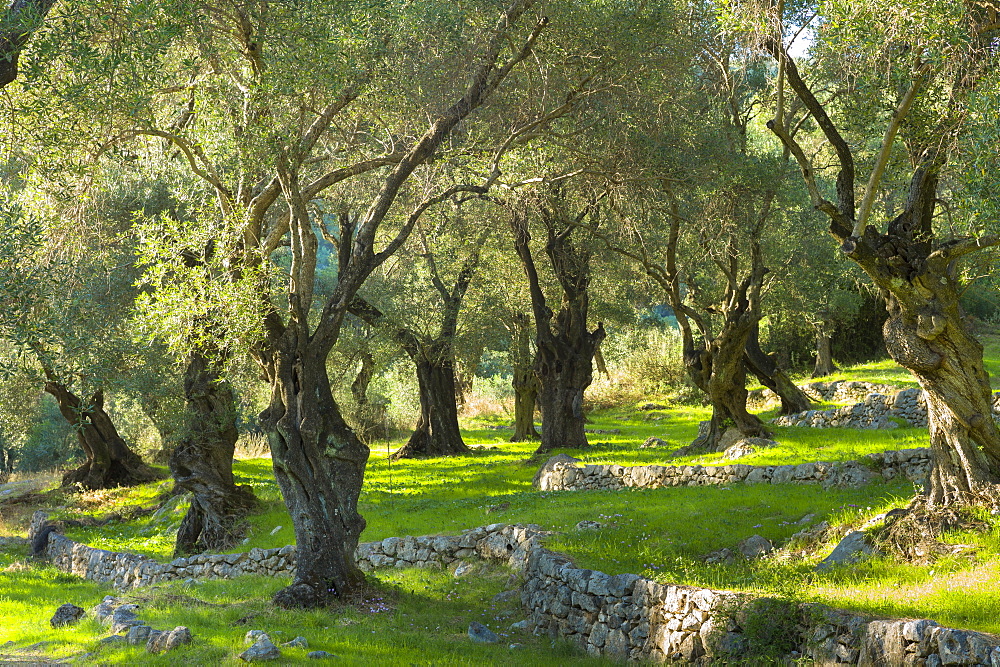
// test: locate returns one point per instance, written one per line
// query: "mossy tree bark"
(524, 380)
(916, 273)
(202, 462)
(565, 346)
(767, 371)
(110, 462)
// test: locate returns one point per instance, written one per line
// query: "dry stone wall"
(914, 464)
(874, 410)
(622, 616)
(839, 392)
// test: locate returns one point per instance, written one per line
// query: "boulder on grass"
(262, 651)
(67, 614)
(481, 634)
(159, 642)
(851, 549)
(755, 546)
(539, 481)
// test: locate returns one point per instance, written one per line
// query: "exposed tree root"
(915, 534)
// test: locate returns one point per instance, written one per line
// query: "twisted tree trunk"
(926, 332)
(202, 463)
(319, 463)
(110, 462)
(524, 381)
(764, 367)
(726, 382)
(565, 346)
(824, 354)
(437, 432)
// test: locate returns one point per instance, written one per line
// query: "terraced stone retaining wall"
(874, 410)
(914, 464)
(839, 391)
(623, 616)
(125, 570)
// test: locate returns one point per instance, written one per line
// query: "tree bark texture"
(202, 463)
(17, 22)
(110, 462)
(726, 384)
(764, 367)
(926, 331)
(319, 463)
(437, 432)
(824, 354)
(524, 380)
(565, 346)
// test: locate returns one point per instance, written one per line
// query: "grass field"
(420, 617)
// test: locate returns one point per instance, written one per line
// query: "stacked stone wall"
(622, 616)
(873, 410)
(914, 464)
(840, 391)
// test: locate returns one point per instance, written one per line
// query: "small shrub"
(769, 628)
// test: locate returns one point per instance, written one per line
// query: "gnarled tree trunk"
(565, 347)
(437, 432)
(764, 367)
(726, 385)
(319, 463)
(202, 463)
(926, 332)
(110, 462)
(824, 354)
(524, 381)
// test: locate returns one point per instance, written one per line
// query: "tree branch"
(902, 109)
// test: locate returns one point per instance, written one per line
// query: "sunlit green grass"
(662, 533)
(417, 617)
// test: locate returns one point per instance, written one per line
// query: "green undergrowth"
(661, 533)
(412, 617)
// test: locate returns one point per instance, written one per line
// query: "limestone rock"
(319, 655)
(67, 614)
(755, 546)
(721, 556)
(851, 549)
(104, 610)
(746, 446)
(252, 636)
(540, 477)
(138, 635)
(464, 569)
(521, 626)
(298, 642)
(160, 642)
(849, 474)
(123, 618)
(729, 438)
(481, 634)
(262, 650)
(589, 525)
(653, 441)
